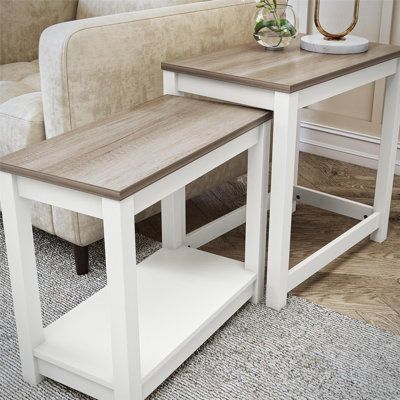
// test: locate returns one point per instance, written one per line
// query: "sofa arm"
(22, 22)
(96, 67)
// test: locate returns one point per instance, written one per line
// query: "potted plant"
(276, 24)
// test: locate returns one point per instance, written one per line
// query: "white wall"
(347, 127)
(336, 16)
(395, 39)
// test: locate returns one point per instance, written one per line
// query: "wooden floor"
(363, 284)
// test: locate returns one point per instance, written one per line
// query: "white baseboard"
(338, 144)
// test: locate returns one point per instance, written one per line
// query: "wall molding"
(343, 145)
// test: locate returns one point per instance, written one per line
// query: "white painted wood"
(332, 250)
(182, 177)
(344, 83)
(175, 317)
(58, 196)
(173, 206)
(235, 218)
(296, 161)
(23, 275)
(338, 205)
(119, 238)
(343, 144)
(384, 37)
(216, 228)
(336, 124)
(173, 219)
(75, 381)
(256, 216)
(170, 83)
(387, 156)
(91, 205)
(285, 107)
(233, 92)
(283, 166)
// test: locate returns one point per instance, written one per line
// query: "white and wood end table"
(151, 317)
(284, 82)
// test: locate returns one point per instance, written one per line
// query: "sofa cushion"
(19, 70)
(21, 122)
(21, 109)
(32, 80)
(11, 89)
(96, 8)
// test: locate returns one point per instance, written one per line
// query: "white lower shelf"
(184, 296)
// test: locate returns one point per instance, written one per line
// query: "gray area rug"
(302, 352)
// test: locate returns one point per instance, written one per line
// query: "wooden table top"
(287, 70)
(121, 155)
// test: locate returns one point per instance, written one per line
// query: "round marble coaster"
(318, 44)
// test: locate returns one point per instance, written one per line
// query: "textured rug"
(302, 352)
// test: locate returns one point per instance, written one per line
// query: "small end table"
(285, 82)
(151, 317)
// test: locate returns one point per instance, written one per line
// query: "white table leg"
(283, 166)
(170, 83)
(173, 207)
(119, 235)
(256, 217)
(296, 164)
(173, 219)
(387, 154)
(23, 274)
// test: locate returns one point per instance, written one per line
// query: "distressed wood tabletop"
(287, 70)
(121, 155)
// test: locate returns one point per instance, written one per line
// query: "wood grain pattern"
(364, 283)
(287, 71)
(119, 156)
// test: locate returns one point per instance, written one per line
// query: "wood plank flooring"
(364, 283)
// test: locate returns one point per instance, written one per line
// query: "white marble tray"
(318, 44)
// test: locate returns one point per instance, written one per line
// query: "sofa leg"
(81, 259)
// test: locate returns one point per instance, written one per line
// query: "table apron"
(311, 197)
(316, 261)
(345, 83)
(264, 98)
(91, 204)
(58, 196)
(227, 91)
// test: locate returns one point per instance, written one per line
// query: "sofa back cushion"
(96, 8)
(96, 67)
(22, 22)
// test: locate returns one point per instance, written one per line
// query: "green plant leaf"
(281, 26)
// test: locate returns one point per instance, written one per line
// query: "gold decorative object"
(334, 43)
(336, 36)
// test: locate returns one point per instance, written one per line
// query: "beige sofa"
(90, 68)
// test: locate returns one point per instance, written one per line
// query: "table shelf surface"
(121, 155)
(181, 293)
(287, 70)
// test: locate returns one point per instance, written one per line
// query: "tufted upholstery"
(21, 109)
(22, 121)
